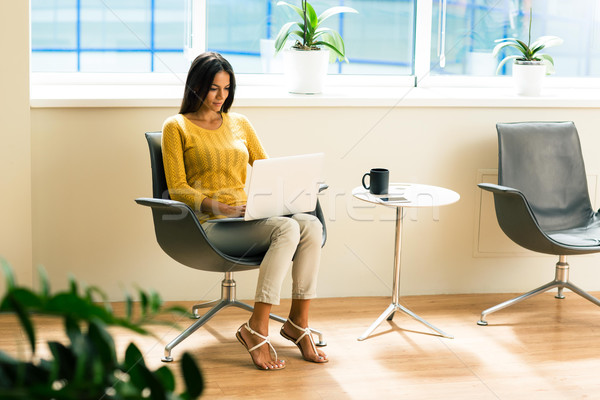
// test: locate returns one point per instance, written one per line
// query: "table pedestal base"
(389, 314)
(395, 305)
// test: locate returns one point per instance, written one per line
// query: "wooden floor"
(542, 348)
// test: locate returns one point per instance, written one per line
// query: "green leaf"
(83, 363)
(192, 376)
(282, 36)
(44, 282)
(8, 274)
(337, 41)
(73, 287)
(90, 291)
(26, 298)
(135, 327)
(508, 39)
(523, 47)
(178, 310)
(334, 11)
(141, 376)
(104, 345)
(548, 41)
(144, 302)
(128, 307)
(166, 378)
(510, 42)
(549, 62)
(313, 21)
(332, 40)
(298, 33)
(134, 361)
(65, 361)
(321, 31)
(72, 330)
(69, 303)
(293, 7)
(504, 61)
(23, 317)
(336, 52)
(133, 356)
(536, 49)
(157, 391)
(155, 302)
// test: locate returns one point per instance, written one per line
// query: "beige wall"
(90, 164)
(70, 177)
(15, 139)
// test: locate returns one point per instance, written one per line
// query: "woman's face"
(217, 93)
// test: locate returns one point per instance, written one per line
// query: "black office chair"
(542, 200)
(181, 236)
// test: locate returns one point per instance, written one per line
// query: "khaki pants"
(283, 238)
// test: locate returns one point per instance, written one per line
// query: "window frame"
(196, 44)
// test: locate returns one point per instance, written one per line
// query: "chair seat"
(585, 236)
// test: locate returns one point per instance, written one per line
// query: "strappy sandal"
(306, 332)
(266, 340)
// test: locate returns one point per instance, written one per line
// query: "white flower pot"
(305, 70)
(528, 77)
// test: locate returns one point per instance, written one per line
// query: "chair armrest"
(491, 187)
(167, 207)
(160, 203)
(517, 220)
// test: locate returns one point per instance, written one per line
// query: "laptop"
(282, 186)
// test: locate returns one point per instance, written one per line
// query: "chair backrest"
(159, 182)
(544, 161)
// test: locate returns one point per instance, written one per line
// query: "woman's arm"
(172, 148)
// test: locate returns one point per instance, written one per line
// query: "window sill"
(140, 95)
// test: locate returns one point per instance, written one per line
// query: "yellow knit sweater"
(202, 163)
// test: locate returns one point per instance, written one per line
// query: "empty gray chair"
(542, 201)
(181, 236)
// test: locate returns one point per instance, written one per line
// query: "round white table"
(400, 196)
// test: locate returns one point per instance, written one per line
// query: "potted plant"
(530, 65)
(305, 63)
(86, 364)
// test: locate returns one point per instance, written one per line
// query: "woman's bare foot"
(292, 331)
(261, 355)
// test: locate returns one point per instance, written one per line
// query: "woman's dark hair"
(200, 78)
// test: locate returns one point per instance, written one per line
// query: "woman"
(206, 150)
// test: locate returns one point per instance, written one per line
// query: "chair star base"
(228, 299)
(561, 281)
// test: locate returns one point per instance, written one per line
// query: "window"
(150, 35)
(379, 40)
(107, 35)
(463, 34)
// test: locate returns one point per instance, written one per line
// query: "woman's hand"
(218, 208)
(234, 211)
